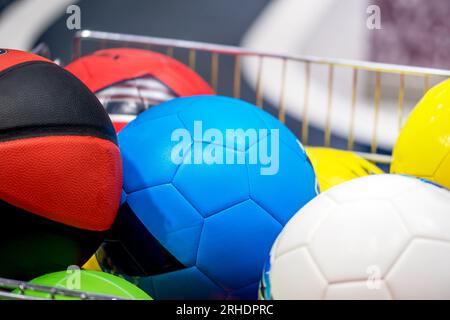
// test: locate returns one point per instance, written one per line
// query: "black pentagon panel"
(40, 98)
(133, 251)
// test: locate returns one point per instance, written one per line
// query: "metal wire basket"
(223, 66)
(19, 290)
(211, 59)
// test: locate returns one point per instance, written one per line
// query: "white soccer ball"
(375, 237)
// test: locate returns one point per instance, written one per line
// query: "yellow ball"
(423, 147)
(92, 264)
(333, 166)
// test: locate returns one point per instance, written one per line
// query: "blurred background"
(413, 32)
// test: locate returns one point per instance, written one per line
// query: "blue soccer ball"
(209, 183)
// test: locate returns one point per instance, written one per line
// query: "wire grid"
(8, 289)
(217, 52)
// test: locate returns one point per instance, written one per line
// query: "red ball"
(129, 81)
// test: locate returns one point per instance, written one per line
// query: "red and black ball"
(60, 168)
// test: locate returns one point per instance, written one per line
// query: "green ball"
(87, 281)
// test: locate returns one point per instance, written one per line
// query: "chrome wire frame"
(216, 51)
(7, 286)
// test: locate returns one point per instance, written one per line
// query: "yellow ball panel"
(442, 174)
(334, 167)
(92, 264)
(424, 142)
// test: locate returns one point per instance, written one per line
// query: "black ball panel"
(41, 98)
(31, 246)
